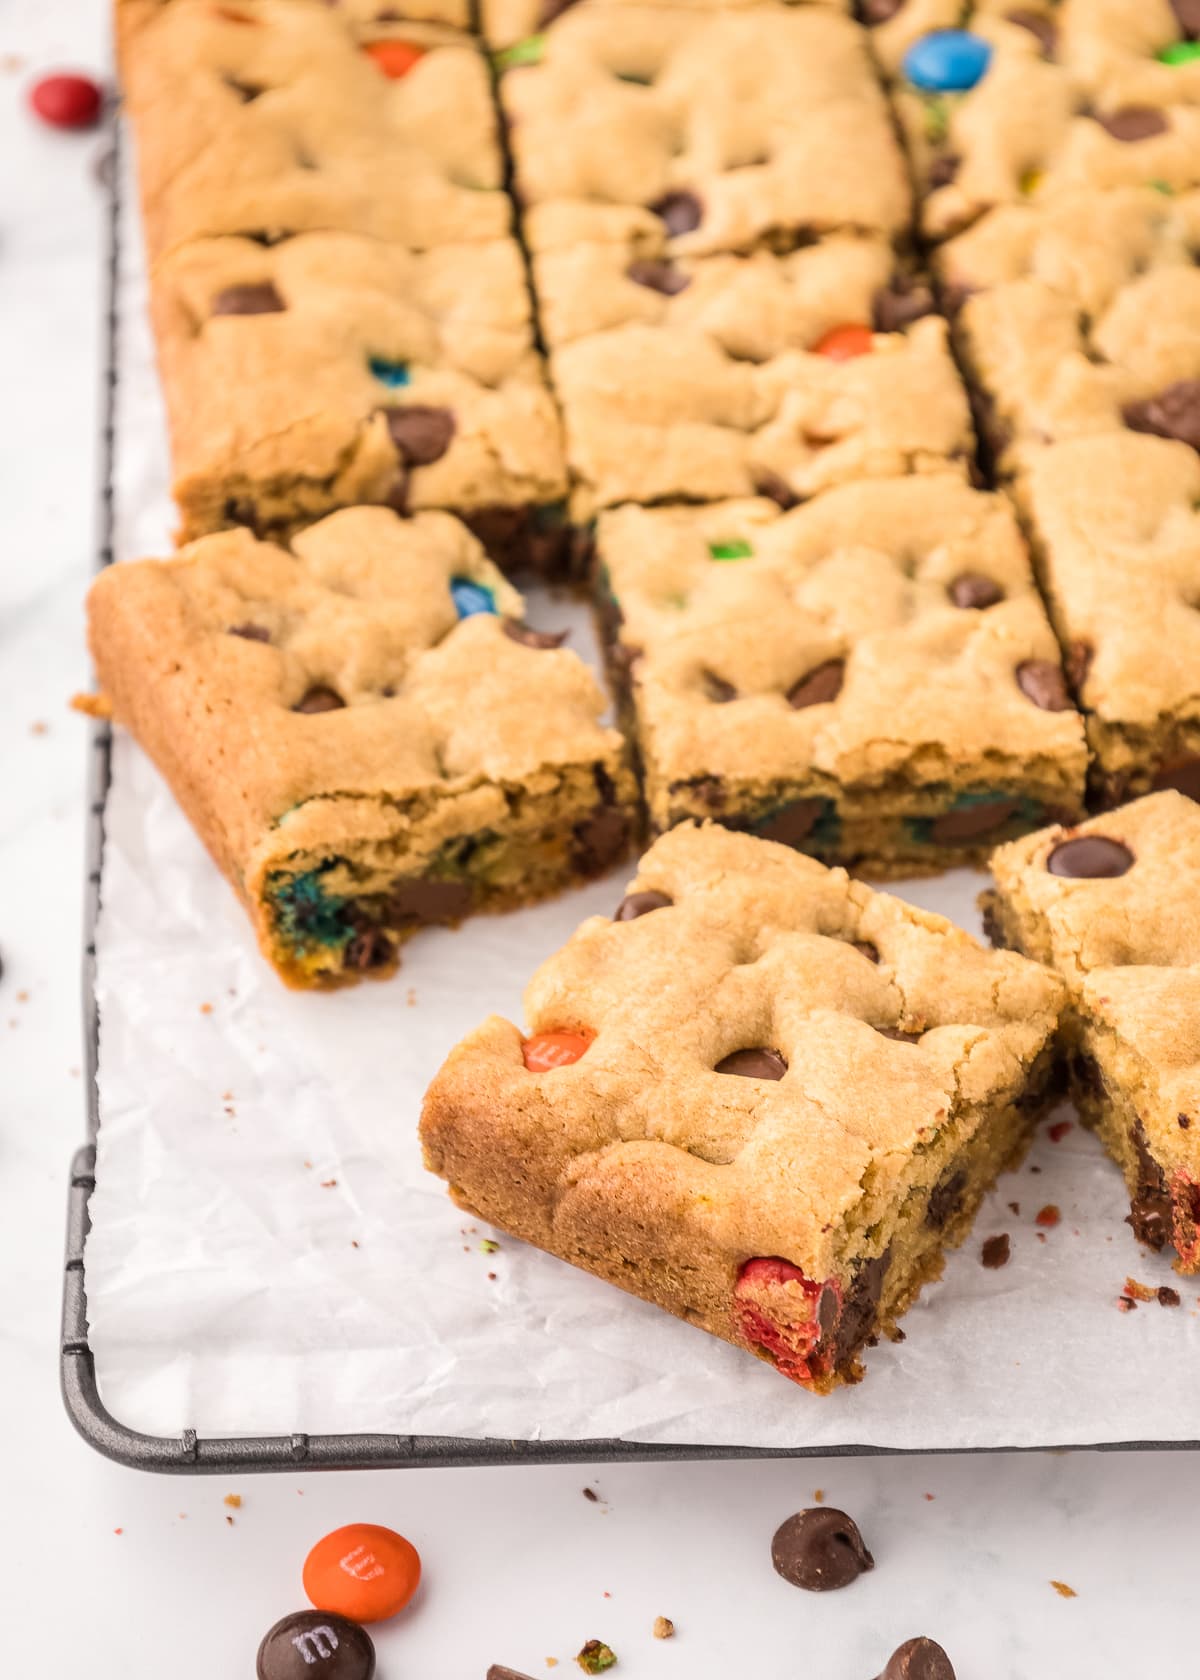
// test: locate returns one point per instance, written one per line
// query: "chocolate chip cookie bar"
(870, 677)
(270, 118)
(1114, 906)
(761, 1096)
(1078, 317)
(1115, 522)
(363, 730)
(335, 369)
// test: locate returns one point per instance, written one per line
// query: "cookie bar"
(762, 1096)
(335, 369)
(276, 117)
(1114, 905)
(757, 129)
(505, 22)
(363, 730)
(657, 414)
(1078, 317)
(1115, 522)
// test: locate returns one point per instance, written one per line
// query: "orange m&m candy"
(394, 58)
(362, 1571)
(842, 344)
(545, 1051)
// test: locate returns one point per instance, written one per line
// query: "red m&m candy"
(67, 101)
(842, 344)
(394, 58)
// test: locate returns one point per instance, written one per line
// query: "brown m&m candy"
(918, 1659)
(820, 1550)
(756, 1063)
(317, 1645)
(638, 904)
(1090, 857)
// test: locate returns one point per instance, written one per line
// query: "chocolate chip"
(319, 700)
(600, 839)
(974, 591)
(1039, 26)
(1133, 122)
(945, 1198)
(371, 949)
(899, 1034)
(1172, 413)
(865, 947)
(551, 9)
(638, 904)
(709, 790)
(918, 1659)
(1090, 857)
(820, 1550)
(247, 92)
(996, 1252)
(1150, 1211)
(680, 212)
(791, 823)
(774, 485)
(250, 632)
(717, 689)
(248, 300)
(876, 12)
(818, 686)
(1187, 16)
(659, 276)
(1043, 682)
(857, 1317)
(421, 435)
(528, 637)
(311, 1639)
(967, 823)
(1078, 663)
(1183, 775)
(1167, 1297)
(940, 173)
(900, 304)
(756, 1063)
(426, 901)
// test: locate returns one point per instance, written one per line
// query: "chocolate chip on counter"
(250, 632)
(774, 485)
(900, 304)
(638, 904)
(600, 839)
(498, 1671)
(871, 952)
(995, 1252)
(531, 638)
(1133, 122)
(972, 590)
(1187, 16)
(680, 212)
(793, 823)
(1090, 857)
(945, 1198)
(952, 828)
(1172, 413)
(919, 1659)
(371, 949)
(1043, 682)
(818, 686)
(1183, 774)
(1039, 26)
(319, 699)
(248, 300)
(427, 901)
(718, 690)
(876, 12)
(659, 276)
(757, 1063)
(820, 1550)
(421, 435)
(315, 1639)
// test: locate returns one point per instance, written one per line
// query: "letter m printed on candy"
(361, 1564)
(316, 1644)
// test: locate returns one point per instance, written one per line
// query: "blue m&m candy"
(947, 61)
(471, 598)
(395, 374)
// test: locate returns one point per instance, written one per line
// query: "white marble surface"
(517, 1562)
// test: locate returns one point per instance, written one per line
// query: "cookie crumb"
(229, 1520)
(596, 1657)
(1063, 1590)
(930, 1496)
(1048, 1216)
(1139, 1291)
(118, 1531)
(818, 1496)
(492, 1276)
(1125, 1304)
(487, 1246)
(1058, 1130)
(93, 705)
(206, 1009)
(329, 1184)
(996, 1252)
(39, 728)
(1168, 1297)
(590, 1493)
(1015, 1209)
(664, 1627)
(234, 1501)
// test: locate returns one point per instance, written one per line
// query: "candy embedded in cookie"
(947, 61)
(549, 1050)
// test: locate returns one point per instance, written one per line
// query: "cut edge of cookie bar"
(796, 1210)
(760, 658)
(363, 731)
(1130, 1037)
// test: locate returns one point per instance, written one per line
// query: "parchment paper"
(268, 1255)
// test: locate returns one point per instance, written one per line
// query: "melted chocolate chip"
(638, 904)
(1039, 26)
(772, 484)
(421, 435)
(600, 839)
(953, 828)
(918, 1659)
(1150, 1206)
(876, 12)
(792, 823)
(1078, 663)
(857, 1318)
(974, 591)
(427, 901)
(758, 1063)
(865, 947)
(247, 92)
(1183, 775)
(528, 637)
(897, 306)
(248, 300)
(820, 1550)
(996, 1252)
(1187, 16)
(899, 1034)
(680, 212)
(1133, 122)
(941, 172)
(1090, 857)
(319, 700)
(250, 632)
(659, 276)
(717, 689)
(818, 686)
(945, 1198)
(1043, 682)
(371, 949)
(315, 1639)
(1172, 413)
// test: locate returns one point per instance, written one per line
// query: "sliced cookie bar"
(762, 1096)
(363, 731)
